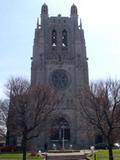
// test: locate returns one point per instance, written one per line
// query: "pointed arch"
(64, 38)
(60, 127)
(54, 38)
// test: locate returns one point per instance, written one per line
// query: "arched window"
(54, 38)
(59, 129)
(64, 38)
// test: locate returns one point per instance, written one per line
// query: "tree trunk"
(7, 138)
(110, 151)
(24, 142)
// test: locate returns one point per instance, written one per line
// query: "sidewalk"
(67, 156)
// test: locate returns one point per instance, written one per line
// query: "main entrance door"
(60, 132)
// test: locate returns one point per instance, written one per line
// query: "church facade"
(60, 61)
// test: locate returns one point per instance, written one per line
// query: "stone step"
(65, 157)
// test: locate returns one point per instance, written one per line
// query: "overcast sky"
(101, 23)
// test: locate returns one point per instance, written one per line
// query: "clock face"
(60, 79)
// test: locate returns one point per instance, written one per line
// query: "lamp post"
(63, 138)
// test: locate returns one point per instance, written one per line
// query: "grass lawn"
(103, 155)
(17, 156)
(100, 155)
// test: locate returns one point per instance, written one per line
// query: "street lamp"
(63, 138)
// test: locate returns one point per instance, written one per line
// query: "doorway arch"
(60, 129)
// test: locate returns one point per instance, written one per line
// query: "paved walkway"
(82, 152)
(68, 156)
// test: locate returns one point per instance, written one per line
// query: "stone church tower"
(59, 60)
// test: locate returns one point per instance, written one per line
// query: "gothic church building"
(59, 60)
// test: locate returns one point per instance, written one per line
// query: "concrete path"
(68, 156)
(82, 152)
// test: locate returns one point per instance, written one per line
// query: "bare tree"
(100, 106)
(31, 107)
(3, 117)
(16, 86)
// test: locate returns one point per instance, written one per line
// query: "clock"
(60, 79)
